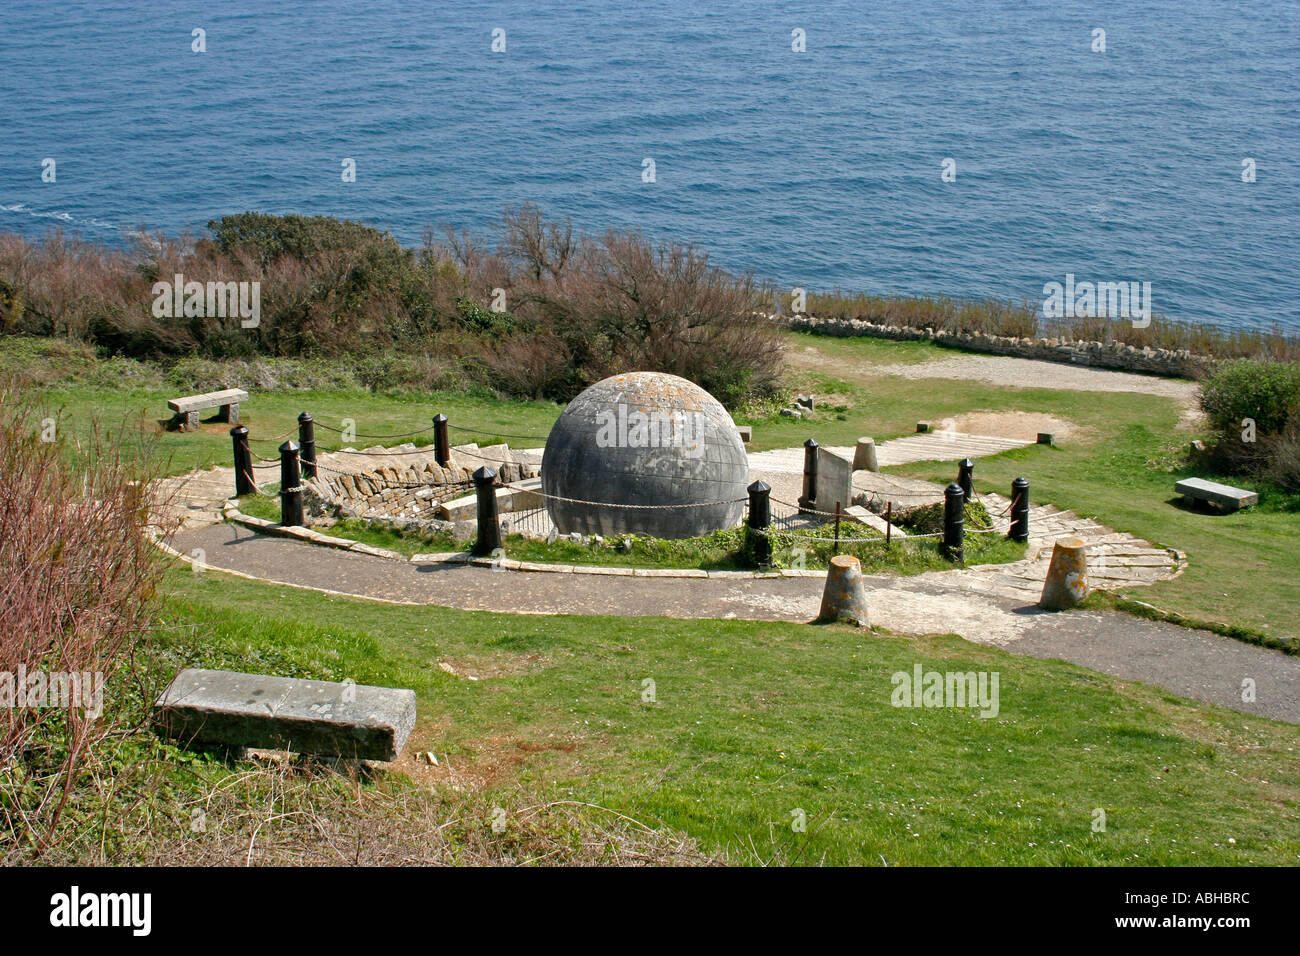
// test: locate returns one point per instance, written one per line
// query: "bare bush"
(77, 579)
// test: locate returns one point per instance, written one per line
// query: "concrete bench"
(281, 713)
(1224, 497)
(187, 409)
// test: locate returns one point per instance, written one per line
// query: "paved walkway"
(1196, 664)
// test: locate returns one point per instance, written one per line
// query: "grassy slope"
(754, 721)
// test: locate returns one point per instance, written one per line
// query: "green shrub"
(1267, 392)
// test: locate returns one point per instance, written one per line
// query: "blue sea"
(820, 169)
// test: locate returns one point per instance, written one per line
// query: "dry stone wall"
(1180, 363)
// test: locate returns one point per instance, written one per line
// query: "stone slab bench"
(1224, 497)
(316, 717)
(188, 407)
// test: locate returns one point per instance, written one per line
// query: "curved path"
(1195, 664)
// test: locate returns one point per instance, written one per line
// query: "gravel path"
(1032, 373)
(1196, 664)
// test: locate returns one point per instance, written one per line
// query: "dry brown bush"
(77, 580)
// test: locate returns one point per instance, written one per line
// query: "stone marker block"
(1067, 576)
(834, 481)
(746, 433)
(281, 713)
(864, 456)
(922, 427)
(1046, 438)
(844, 598)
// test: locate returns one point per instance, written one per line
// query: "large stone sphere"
(645, 438)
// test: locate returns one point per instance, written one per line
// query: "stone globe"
(645, 439)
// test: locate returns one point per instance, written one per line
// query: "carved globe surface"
(645, 438)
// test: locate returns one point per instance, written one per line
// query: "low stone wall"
(402, 497)
(1179, 363)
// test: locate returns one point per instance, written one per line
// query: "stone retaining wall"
(407, 496)
(1179, 363)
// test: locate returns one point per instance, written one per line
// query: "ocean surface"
(819, 169)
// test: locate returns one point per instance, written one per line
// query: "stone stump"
(1067, 576)
(864, 456)
(844, 598)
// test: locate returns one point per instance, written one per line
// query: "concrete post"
(290, 486)
(864, 456)
(844, 598)
(1067, 576)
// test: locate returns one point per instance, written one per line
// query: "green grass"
(752, 722)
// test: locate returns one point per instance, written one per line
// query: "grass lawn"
(750, 724)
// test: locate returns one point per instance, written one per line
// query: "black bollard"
(808, 500)
(954, 522)
(441, 450)
(965, 476)
(290, 486)
(243, 462)
(307, 442)
(760, 519)
(1019, 530)
(489, 527)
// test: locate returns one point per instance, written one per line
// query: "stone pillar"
(1067, 576)
(864, 456)
(844, 598)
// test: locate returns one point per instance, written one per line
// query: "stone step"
(316, 717)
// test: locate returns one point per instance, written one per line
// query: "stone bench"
(1224, 497)
(187, 408)
(280, 713)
